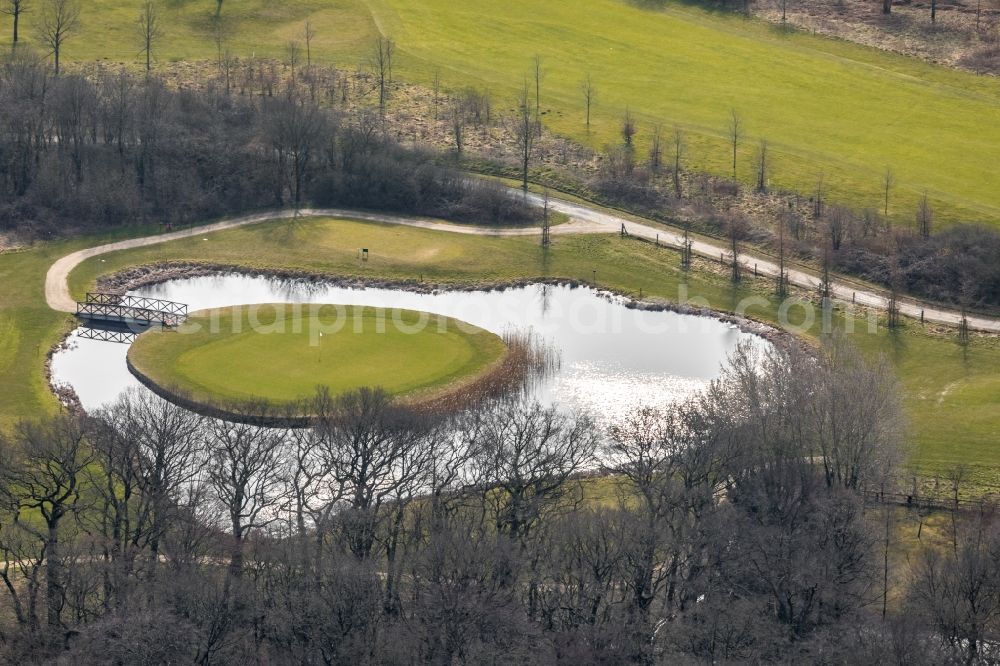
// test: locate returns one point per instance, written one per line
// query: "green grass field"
(825, 106)
(29, 329)
(952, 393)
(282, 353)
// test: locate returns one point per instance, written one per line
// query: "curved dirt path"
(57, 293)
(583, 220)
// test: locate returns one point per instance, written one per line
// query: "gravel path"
(583, 220)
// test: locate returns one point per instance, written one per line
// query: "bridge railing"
(123, 307)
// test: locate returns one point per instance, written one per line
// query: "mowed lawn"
(826, 107)
(952, 393)
(29, 329)
(281, 353)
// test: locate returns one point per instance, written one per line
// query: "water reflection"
(612, 357)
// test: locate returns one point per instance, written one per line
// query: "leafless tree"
(15, 9)
(458, 120)
(737, 230)
(656, 149)
(958, 594)
(589, 97)
(296, 131)
(59, 20)
(762, 166)
(678, 156)
(673, 470)
(886, 6)
(825, 286)
(525, 132)
(436, 89)
(538, 74)
(857, 417)
(782, 278)
(380, 62)
(546, 227)
(244, 470)
(523, 458)
(628, 129)
(925, 215)
(378, 460)
(888, 180)
(293, 52)
(818, 200)
(150, 30)
(735, 134)
(45, 471)
(309, 34)
(161, 443)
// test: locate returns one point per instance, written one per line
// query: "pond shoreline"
(148, 275)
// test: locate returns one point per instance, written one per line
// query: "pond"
(612, 358)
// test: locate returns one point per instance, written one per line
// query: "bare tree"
(309, 34)
(165, 442)
(46, 462)
(886, 6)
(378, 459)
(678, 156)
(59, 20)
(150, 30)
(546, 226)
(15, 9)
(296, 130)
(293, 51)
(589, 97)
(539, 74)
(437, 92)
(656, 149)
(895, 284)
(782, 278)
(735, 134)
(458, 120)
(628, 128)
(525, 132)
(380, 62)
(738, 228)
(818, 200)
(888, 180)
(762, 166)
(244, 472)
(824, 279)
(925, 215)
(672, 469)
(958, 595)
(856, 415)
(524, 456)
(687, 247)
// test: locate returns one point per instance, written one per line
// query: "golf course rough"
(282, 353)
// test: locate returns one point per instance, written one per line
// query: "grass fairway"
(952, 393)
(282, 353)
(825, 106)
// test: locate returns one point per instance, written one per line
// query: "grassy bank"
(282, 353)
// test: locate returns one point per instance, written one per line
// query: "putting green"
(282, 353)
